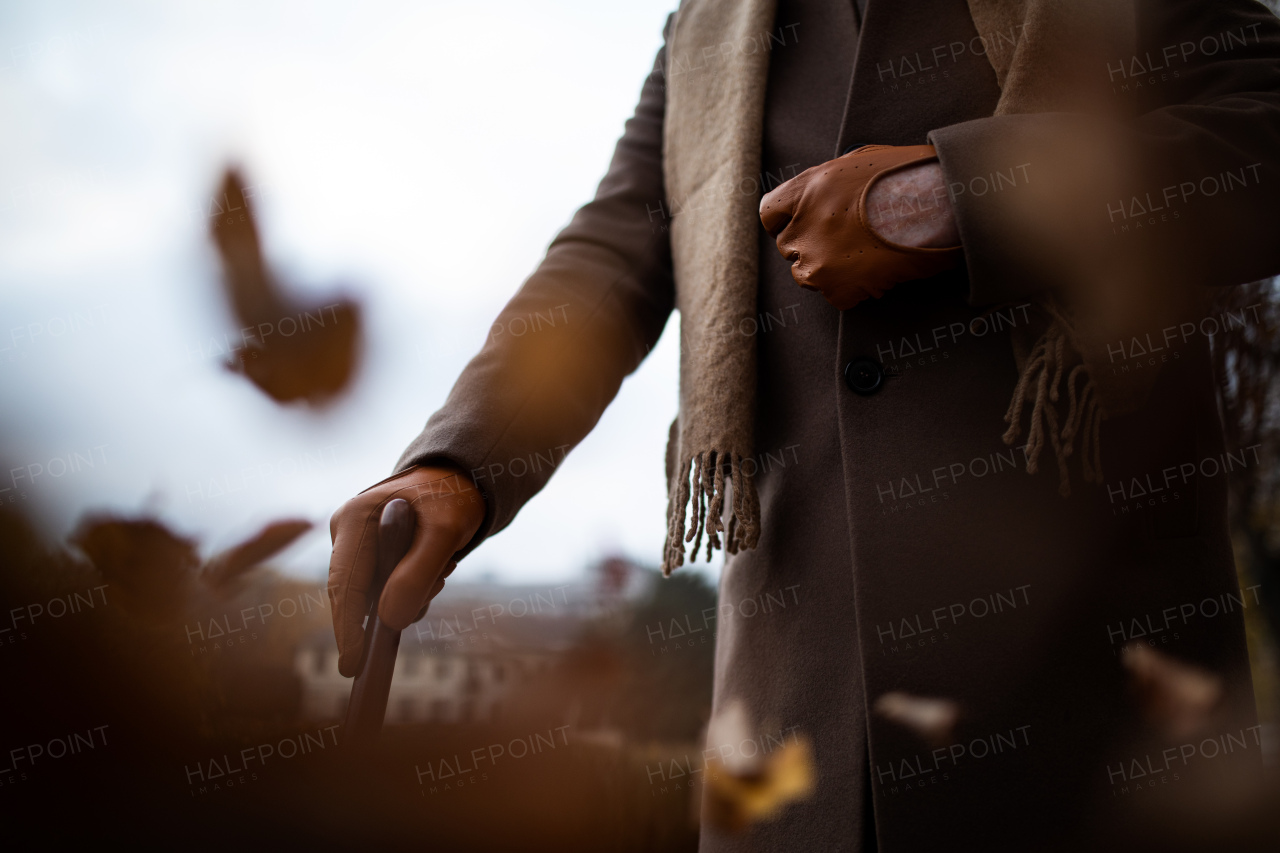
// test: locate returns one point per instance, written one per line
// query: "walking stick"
(368, 703)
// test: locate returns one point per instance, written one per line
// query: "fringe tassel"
(1045, 367)
(701, 486)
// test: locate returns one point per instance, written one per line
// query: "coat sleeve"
(561, 347)
(1198, 160)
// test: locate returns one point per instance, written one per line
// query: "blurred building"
(479, 643)
(459, 685)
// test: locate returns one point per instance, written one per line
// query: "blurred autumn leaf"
(744, 788)
(735, 801)
(150, 567)
(931, 719)
(1177, 697)
(153, 568)
(226, 566)
(292, 351)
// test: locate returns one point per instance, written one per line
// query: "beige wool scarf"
(712, 157)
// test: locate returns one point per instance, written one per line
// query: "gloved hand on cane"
(447, 511)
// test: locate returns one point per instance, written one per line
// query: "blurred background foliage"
(1247, 364)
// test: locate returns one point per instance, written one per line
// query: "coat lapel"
(914, 73)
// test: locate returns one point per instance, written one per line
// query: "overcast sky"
(377, 133)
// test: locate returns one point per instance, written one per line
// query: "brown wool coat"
(917, 555)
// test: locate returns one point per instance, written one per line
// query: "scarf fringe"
(702, 485)
(1045, 367)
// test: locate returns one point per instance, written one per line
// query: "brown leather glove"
(819, 219)
(448, 510)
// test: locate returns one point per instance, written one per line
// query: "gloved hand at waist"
(858, 225)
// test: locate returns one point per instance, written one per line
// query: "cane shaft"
(372, 686)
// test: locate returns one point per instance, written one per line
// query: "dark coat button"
(854, 147)
(864, 376)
